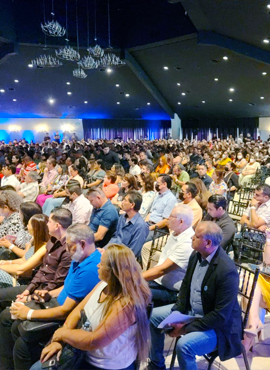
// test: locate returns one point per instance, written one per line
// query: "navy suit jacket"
(219, 299)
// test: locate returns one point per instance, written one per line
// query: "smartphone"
(11, 238)
(167, 330)
(51, 363)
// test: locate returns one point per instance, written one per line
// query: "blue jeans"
(84, 366)
(157, 337)
(188, 346)
(50, 204)
(160, 295)
(196, 343)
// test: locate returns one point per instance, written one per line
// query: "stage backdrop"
(125, 129)
(205, 128)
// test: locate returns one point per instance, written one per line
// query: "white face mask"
(239, 157)
(77, 256)
(252, 160)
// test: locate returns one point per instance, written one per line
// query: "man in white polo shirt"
(166, 277)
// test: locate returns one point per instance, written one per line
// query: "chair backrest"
(159, 240)
(251, 246)
(247, 284)
(246, 194)
(236, 209)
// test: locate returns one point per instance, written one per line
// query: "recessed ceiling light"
(264, 73)
(183, 94)
(69, 92)
(118, 102)
(262, 97)
(203, 101)
(216, 79)
(126, 95)
(266, 41)
(85, 102)
(16, 81)
(68, 83)
(51, 101)
(148, 103)
(179, 103)
(225, 58)
(268, 6)
(178, 84)
(117, 85)
(2, 90)
(30, 65)
(231, 89)
(166, 68)
(230, 100)
(14, 99)
(109, 70)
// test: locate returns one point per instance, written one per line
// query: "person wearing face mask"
(240, 162)
(188, 193)
(249, 171)
(224, 159)
(231, 179)
(81, 279)
(79, 205)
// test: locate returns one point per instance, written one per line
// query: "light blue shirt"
(162, 206)
(196, 285)
(132, 233)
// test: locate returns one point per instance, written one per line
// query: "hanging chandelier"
(68, 53)
(45, 61)
(96, 51)
(53, 29)
(79, 73)
(110, 60)
(88, 63)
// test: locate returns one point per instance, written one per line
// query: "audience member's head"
(216, 206)
(38, 228)
(10, 202)
(181, 218)
(207, 238)
(132, 201)
(29, 209)
(80, 241)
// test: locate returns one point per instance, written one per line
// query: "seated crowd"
(77, 222)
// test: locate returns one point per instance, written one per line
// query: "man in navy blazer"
(209, 293)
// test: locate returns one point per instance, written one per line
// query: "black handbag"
(40, 329)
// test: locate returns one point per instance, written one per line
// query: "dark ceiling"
(155, 33)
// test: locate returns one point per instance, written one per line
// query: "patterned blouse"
(22, 238)
(215, 188)
(11, 225)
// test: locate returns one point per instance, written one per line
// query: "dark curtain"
(225, 127)
(125, 129)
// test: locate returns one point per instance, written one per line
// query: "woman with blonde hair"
(203, 193)
(163, 166)
(116, 312)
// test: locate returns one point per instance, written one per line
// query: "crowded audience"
(76, 218)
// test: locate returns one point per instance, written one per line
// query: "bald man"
(209, 293)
